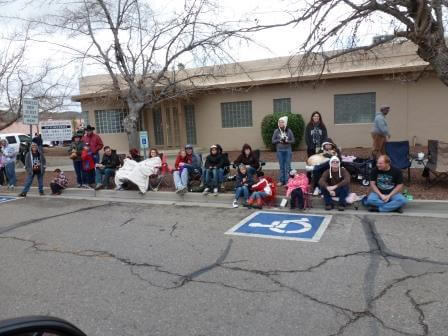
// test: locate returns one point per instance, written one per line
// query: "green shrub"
(269, 124)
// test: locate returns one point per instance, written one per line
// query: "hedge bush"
(270, 123)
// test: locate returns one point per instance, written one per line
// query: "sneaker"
(328, 207)
(22, 194)
(79, 186)
(215, 191)
(373, 208)
(316, 191)
(184, 190)
(235, 204)
(41, 193)
(11, 187)
(178, 191)
(206, 191)
(341, 207)
(399, 210)
(99, 186)
(279, 184)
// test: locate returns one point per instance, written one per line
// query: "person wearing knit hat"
(283, 138)
(334, 183)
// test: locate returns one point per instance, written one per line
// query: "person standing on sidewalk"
(35, 165)
(283, 138)
(380, 132)
(315, 134)
(10, 155)
(75, 154)
(94, 141)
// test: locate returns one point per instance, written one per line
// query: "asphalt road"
(129, 269)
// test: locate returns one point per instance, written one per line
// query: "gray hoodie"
(380, 125)
(29, 162)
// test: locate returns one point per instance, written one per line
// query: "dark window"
(282, 105)
(110, 121)
(11, 139)
(236, 114)
(190, 124)
(354, 108)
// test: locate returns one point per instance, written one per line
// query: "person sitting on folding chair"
(386, 182)
(213, 163)
(180, 173)
(334, 182)
(194, 162)
(106, 169)
(298, 186)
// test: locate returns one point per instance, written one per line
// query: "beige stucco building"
(230, 111)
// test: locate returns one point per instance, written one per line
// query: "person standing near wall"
(380, 132)
(94, 141)
(315, 134)
(283, 138)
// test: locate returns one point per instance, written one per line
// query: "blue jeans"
(78, 170)
(242, 191)
(341, 192)
(29, 182)
(259, 195)
(284, 160)
(395, 202)
(180, 179)
(220, 175)
(96, 158)
(88, 177)
(103, 175)
(10, 170)
(211, 177)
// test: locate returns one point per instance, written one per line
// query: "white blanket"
(138, 172)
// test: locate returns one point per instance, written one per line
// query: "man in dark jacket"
(334, 183)
(35, 165)
(106, 169)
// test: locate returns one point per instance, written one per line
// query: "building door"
(158, 126)
(172, 127)
(190, 124)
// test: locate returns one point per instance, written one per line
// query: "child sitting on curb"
(59, 182)
(243, 183)
(297, 188)
(263, 192)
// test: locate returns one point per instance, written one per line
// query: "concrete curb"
(416, 208)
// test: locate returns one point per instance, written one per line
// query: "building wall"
(418, 111)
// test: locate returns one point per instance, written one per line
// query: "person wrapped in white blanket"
(137, 172)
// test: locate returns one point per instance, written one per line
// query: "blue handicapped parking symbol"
(4, 199)
(290, 226)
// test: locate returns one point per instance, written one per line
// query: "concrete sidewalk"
(418, 208)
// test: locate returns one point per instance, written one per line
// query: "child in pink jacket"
(297, 188)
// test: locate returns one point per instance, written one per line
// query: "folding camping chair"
(156, 180)
(257, 154)
(437, 164)
(398, 151)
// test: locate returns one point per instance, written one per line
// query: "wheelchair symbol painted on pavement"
(280, 227)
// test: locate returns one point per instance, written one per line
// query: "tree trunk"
(7, 119)
(435, 54)
(131, 122)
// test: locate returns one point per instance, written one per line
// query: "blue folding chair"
(398, 151)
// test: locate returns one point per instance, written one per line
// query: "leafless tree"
(142, 49)
(334, 28)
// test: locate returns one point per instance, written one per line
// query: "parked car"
(15, 139)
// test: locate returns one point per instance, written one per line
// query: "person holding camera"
(35, 165)
(283, 138)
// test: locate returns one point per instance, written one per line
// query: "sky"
(269, 43)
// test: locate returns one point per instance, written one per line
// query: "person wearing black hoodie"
(35, 165)
(248, 159)
(213, 163)
(315, 133)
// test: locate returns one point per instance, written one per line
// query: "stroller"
(360, 169)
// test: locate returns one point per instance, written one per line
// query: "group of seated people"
(250, 184)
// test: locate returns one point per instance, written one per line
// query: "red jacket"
(94, 141)
(180, 159)
(88, 163)
(263, 185)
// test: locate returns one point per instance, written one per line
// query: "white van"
(15, 139)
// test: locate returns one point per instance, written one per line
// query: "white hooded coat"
(138, 172)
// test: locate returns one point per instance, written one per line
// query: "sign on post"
(30, 111)
(56, 130)
(144, 142)
(278, 225)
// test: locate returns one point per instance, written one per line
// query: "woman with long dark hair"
(315, 133)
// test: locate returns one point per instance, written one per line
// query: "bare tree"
(142, 49)
(339, 27)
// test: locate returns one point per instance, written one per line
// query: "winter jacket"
(262, 185)
(334, 151)
(88, 162)
(29, 158)
(277, 139)
(10, 153)
(315, 135)
(94, 141)
(250, 160)
(61, 180)
(239, 180)
(326, 181)
(186, 160)
(214, 161)
(111, 161)
(380, 125)
(77, 146)
(298, 181)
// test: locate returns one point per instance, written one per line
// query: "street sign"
(278, 225)
(4, 199)
(56, 130)
(144, 141)
(30, 111)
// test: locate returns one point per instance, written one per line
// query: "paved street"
(132, 269)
